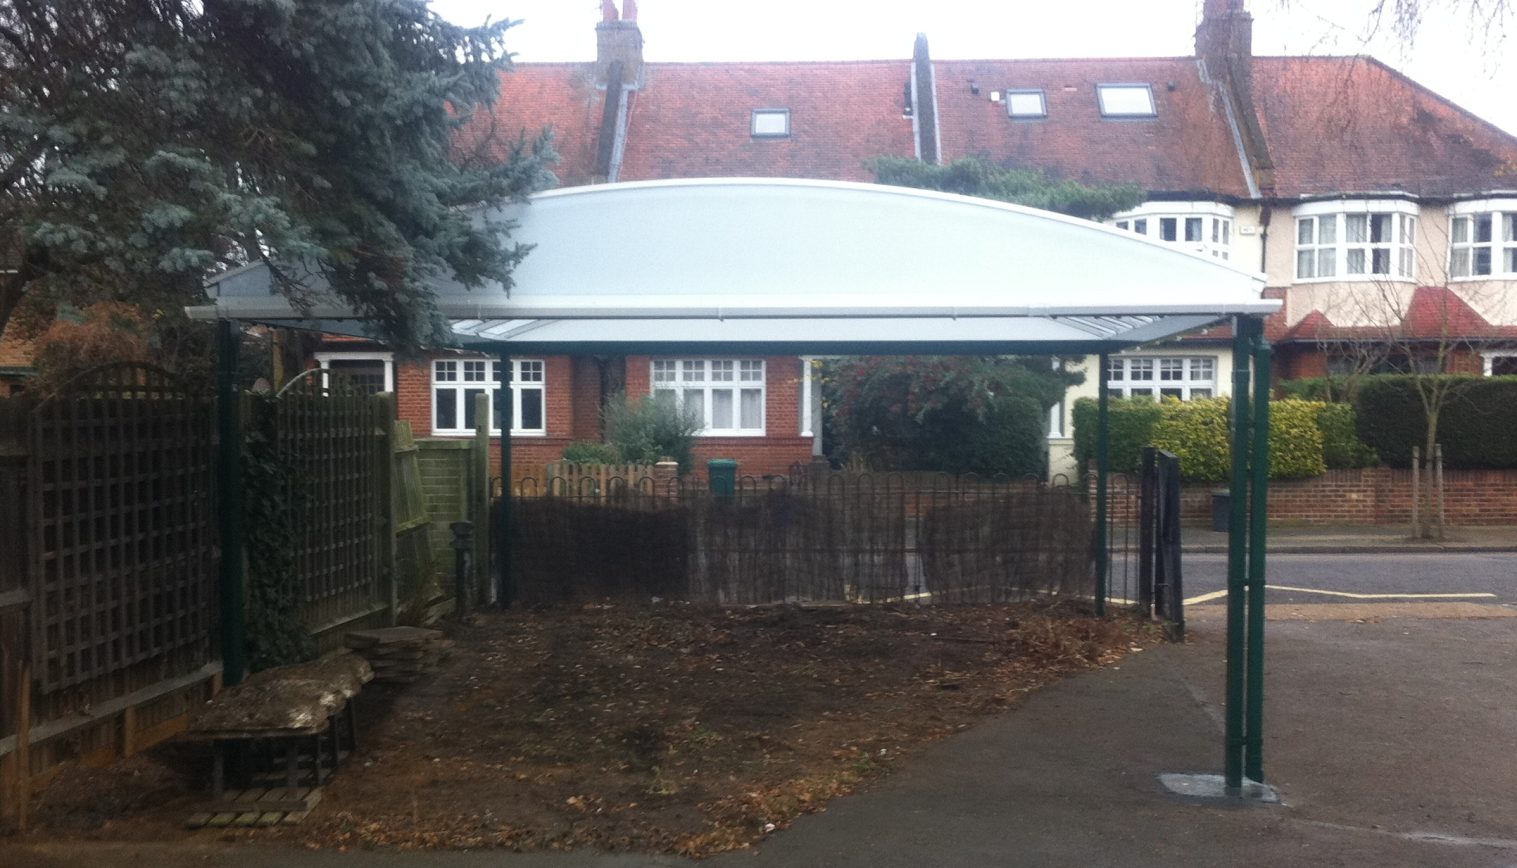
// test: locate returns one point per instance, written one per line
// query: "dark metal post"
(1103, 469)
(1237, 557)
(1148, 526)
(229, 485)
(463, 547)
(506, 407)
(1253, 753)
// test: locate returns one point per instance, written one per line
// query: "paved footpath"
(1391, 737)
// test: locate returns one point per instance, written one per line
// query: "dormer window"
(1126, 100)
(1026, 104)
(771, 123)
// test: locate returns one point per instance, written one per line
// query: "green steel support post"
(1103, 469)
(229, 486)
(506, 407)
(1237, 558)
(1253, 752)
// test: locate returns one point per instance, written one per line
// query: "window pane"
(1140, 393)
(1227, 232)
(1177, 394)
(693, 372)
(721, 408)
(1483, 229)
(666, 397)
(1504, 366)
(1405, 269)
(753, 371)
(1459, 263)
(1171, 369)
(1123, 224)
(1305, 259)
(1511, 228)
(1380, 261)
(1142, 369)
(1511, 261)
(1169, 228)
(695, 404)
(1304, 231)
(1380, 228)
(1461, 230)
(1327, 263)
(1408, 229)
(531, 372)
(444, 409)
(1482, 260)
(1356, 228)
(1356, 262)
(531, 409)
(474, 372)
(1115, 369)
(1200, 393)
(1192, 228)
(752, 410)
(1126, 100)
(721, 371)
(445, 372)
(1327, 230)
(663, 371)
(1202, 368)
(469, 395)
(1140, 226)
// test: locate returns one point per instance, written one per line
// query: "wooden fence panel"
(121, 526)
(338, 444)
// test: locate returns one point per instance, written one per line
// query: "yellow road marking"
(1215, 595)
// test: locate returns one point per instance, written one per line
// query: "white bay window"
(1483, 239)
(725, 395)
(1355, 240)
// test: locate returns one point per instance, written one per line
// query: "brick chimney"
(922, 92)
(619, 40)
(1225, 47)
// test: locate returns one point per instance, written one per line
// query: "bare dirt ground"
(673, 729)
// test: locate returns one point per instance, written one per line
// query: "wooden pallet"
(256, 807)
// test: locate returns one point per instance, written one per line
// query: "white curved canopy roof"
(834, 266)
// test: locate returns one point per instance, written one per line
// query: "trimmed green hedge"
(1132, 425)
(1341, 446)
(1476, 426)
(1196, 431)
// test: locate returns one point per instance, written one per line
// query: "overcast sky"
(1459, 60)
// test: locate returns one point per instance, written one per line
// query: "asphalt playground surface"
(1390, 735)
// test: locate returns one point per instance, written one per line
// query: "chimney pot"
(619, 40)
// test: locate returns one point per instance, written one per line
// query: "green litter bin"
(722, 474)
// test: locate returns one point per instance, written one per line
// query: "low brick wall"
(1375, 495)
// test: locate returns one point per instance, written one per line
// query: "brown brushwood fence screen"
(835, 537)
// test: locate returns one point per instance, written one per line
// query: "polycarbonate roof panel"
(826, 256)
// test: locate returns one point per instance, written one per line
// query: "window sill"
(748, 435)
(1483, 278)
(493, 434)
(1356, 278)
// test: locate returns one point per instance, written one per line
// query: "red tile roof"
(692, 120)
(1187, 147)
(1434, 313)
(1353, 124)
(560, 96)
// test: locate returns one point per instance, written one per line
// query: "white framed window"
(1126, 100)
(372, 372)
(1205, 227)
(1500, 363)
(771, 123)
(1356, 240)
(1026, 103)
(726, 395)
(456, 382)
(1157, 377)
(1483, 239)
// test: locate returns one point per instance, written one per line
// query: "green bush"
(1341, 446)
(1132, 425)
(1297, 445)
(1475, 426)
(1330, 389)
(649, 430)
(590, 452)
(1197, 432)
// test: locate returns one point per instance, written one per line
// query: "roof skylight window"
(1126, 100)
(1026, 104)
(771, 123)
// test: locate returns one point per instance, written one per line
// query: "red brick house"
(1364, 198)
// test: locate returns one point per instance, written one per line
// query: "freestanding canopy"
(788, 266)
